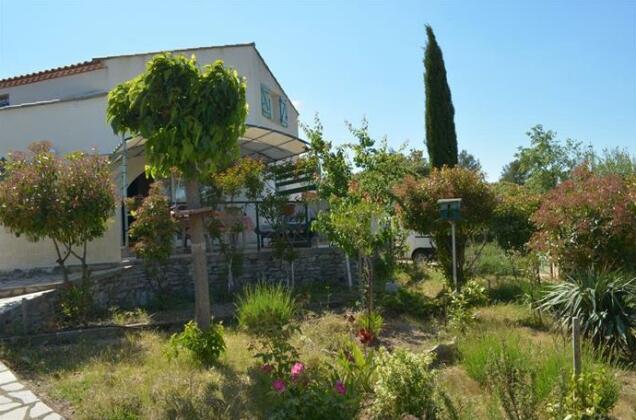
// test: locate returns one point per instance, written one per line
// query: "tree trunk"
(199, 262)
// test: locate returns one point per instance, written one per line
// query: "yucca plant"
(605, 304)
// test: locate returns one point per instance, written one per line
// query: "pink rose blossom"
(297, 370)
(340, 388)
(278, 385)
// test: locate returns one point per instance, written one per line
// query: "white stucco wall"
(80, 124)
(20, 253)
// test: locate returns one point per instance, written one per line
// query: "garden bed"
(130, 376)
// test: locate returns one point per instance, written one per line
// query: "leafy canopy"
(191, 119)
(68, 199)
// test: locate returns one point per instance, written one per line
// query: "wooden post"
(576, 346)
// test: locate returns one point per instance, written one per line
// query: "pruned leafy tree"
(418, 210)
(441, 138)
(67, 199)
(588, 221)
(191, 120)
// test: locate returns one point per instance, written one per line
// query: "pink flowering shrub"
(305, 393)
(588, 221)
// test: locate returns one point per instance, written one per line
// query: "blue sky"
(569, 65)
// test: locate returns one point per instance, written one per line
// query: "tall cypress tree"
(441, 139)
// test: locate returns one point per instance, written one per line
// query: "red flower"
(365, 336)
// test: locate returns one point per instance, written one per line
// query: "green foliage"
(545, 362)
(152, 233)
(512, 173)
(315, 393)
(514, 384)
(605, 304)
(511, 221)
(332, 170)
(405, 385)
(372, 322)
(412, 302)
(441, 138)
(355, 367)
(588, 221)
(67, 199)
(468, 161)
(590, 396)
(614, 162)
(264, 309)
(460, 315)
(547, 162)
(204, 346)
(418, 210)
(244, 175)
(191, 119)
(75, 302)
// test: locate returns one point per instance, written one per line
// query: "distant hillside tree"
(441, 138)
(512, 173)
(468, 161)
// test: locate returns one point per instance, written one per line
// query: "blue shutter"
(283, 111)
(266, 102)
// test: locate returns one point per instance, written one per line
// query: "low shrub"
(372, 322)
(590, 396)
(204, 346)
(514, 384)
(265, 308)
(76, 302)
(304, 392)
(605, 304)
(185, 399)
(405, 385)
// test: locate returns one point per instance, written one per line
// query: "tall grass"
(265, 307)
(548, 361)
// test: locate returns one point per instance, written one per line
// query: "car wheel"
(422, 256)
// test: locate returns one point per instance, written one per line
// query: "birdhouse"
(449, 208)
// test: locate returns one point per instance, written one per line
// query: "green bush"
(76, 302)
(591, 396)
(265, 308)
(605, 304)
(405, 385)
(205, 346)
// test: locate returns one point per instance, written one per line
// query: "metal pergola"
(266, 144)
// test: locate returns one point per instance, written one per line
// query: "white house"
(67, 106)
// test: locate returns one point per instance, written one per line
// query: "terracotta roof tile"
(52, 73)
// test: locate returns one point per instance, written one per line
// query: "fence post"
(576, 346)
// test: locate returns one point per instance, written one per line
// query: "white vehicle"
(419, 247)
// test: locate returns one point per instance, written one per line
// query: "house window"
(282, 105)
(266, 102)
(4, 100)
(274, 106)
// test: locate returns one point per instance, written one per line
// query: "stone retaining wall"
(128, 287)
